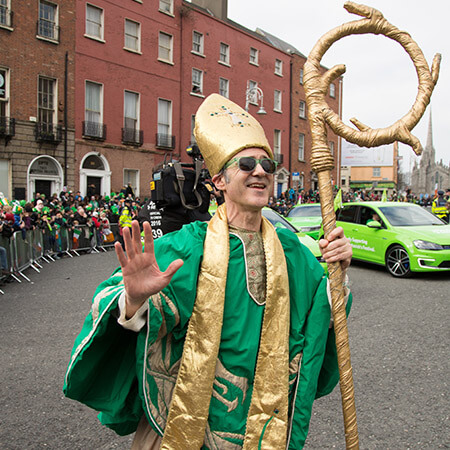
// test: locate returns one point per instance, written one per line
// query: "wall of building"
(27, 56)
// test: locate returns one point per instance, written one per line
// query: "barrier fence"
(31, 249)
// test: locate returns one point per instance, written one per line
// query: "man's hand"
(336, 248)
(141, 275)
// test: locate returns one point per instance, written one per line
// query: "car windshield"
(305, 211)
(409, 216)
(278, 221)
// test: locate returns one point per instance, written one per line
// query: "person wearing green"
(216, 336)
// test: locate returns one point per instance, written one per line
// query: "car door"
(348, 219)
(372, 240)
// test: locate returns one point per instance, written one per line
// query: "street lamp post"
(252, 94)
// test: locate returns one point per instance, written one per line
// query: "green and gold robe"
(125, 374)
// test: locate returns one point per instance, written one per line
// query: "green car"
(279, 221)
(307, 218)
(403, 237)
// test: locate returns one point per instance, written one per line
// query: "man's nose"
(258, 170)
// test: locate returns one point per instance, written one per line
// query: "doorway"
(94, 185)
(43, 187)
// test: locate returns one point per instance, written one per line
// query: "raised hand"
(141, 275)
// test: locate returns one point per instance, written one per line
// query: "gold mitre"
(223, 129)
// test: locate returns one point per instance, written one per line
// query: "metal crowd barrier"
(48, 245)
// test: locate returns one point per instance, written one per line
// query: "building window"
(165, 47)
(93, 126)
(197, 42)
(46, 100)
(331, 147)
(164, 138)
(131, 177)
(5, 13)
(94, 22)
(302, 109)
(277, 142)
(301, 147)
(224, 87)
(278, 67)
(224, 55)
(132, 35)
(301, 181)
(48, 20)
(332, 90)
(376, 171)
(252, 92)
(197, 81)
(166, 6)
(301, 76)
(4, 93)
(277, 101)
(131, 117)
(253, 56)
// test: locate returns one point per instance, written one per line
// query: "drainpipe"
(290, 121)
(66, 63)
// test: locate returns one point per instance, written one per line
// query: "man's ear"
(219, 181)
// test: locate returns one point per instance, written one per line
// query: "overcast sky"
(380, 83)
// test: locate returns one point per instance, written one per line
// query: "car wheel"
(397, 262)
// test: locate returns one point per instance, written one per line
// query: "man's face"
(246, 190)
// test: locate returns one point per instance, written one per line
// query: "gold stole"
(267, 418)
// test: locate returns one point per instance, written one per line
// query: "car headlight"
(306, 229)
(425, 245)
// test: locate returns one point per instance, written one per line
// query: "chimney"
(219, 8)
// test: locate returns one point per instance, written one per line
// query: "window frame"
(301, 74)
(277, 102)
(301, 140)
(137, 172)
(278, 67)
(54, 23)
(5, 100)
(101, 97)
(166, 11)
(251, 85)
(137, 38)
(137, 109)
(225, 61)
(332, 90)
(100, 25)
(193, 92)
(54, 95)
(276, 142)
(376, 172)
(254, 56)
(302, 109)
(170, 49)
(227, 89)
(169, 124)
(6, 13)
(200, 44)
(331, 145)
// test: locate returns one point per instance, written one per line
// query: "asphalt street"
(399, 335)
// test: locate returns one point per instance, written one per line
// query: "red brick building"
(142, 70)
(36, 97)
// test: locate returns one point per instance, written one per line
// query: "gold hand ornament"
(322, 162)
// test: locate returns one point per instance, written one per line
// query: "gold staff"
(322, 162)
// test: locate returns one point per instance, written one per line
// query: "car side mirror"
(374, 224)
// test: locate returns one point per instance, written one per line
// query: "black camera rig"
(178, 184)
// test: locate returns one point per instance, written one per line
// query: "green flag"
(338, 200)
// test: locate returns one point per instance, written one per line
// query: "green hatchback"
(307, 218)
(403, 237)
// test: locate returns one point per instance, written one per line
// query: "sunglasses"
(249, 163)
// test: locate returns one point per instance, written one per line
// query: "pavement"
(399, 338)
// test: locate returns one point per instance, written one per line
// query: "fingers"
(136, 237)
(129, 247)
(120, 254)
(148, 238)
(173, 267)
(336, 247)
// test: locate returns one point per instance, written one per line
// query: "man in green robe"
(216, 336)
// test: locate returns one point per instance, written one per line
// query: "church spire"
(429, 149)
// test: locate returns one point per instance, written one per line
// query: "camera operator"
(180, 195)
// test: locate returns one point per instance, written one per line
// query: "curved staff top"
(322, 161)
